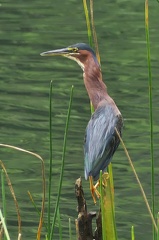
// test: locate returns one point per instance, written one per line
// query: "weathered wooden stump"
(84, 220)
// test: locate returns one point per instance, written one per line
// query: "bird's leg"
(93, 189)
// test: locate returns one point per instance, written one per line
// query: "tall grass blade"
(36, 208)
(158, 225)
(87, 22)
(50, 164)
(92, 108)
(70, 230)
(59, 223)
(107, 208)
(104, 237)
(132, 233)
(95, 40)
(13, 195)
(3, 199)
(150, 111)
(110, 171)
(4, 225)
(62, 166)
(94, 31)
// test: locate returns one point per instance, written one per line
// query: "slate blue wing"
(101, 140)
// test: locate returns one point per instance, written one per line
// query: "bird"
(101, 139)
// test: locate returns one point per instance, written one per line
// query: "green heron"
(101, 139)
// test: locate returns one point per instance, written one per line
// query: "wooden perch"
(84, 220)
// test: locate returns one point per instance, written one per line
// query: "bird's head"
(79, 52)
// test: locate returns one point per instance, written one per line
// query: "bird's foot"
(105, 177)
(93, 189)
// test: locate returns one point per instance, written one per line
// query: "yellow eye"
(75, 50)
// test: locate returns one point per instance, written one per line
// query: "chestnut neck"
(95, 87)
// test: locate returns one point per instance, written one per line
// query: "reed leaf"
(50, 163)
(3, 199)
(70, 229)
(59, 224)
(132, 233)
(158, 225)
(107, 207)
(4, 225)
(62, 165)
(94, 31)
(89, 33)
(150, 112)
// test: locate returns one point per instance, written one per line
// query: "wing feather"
(101, 140)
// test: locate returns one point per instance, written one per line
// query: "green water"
(31, 27)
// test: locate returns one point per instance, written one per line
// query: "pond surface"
(31, 27)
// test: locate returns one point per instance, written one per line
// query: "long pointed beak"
(62, 51)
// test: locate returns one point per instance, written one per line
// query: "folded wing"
(101, 140)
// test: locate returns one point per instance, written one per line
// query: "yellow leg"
(93, 189)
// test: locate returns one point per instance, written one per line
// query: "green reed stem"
(63, 162)
(59, 224)
(158, 225)
(37, 209)
(50, 165)
(70, 230)
(111, 189)
(94, 31)
(87, 22)
(150, 112)
(107, 206)
(104, 237)
(132, 233)
(3, 199)
(4, 226)
(3, 194)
